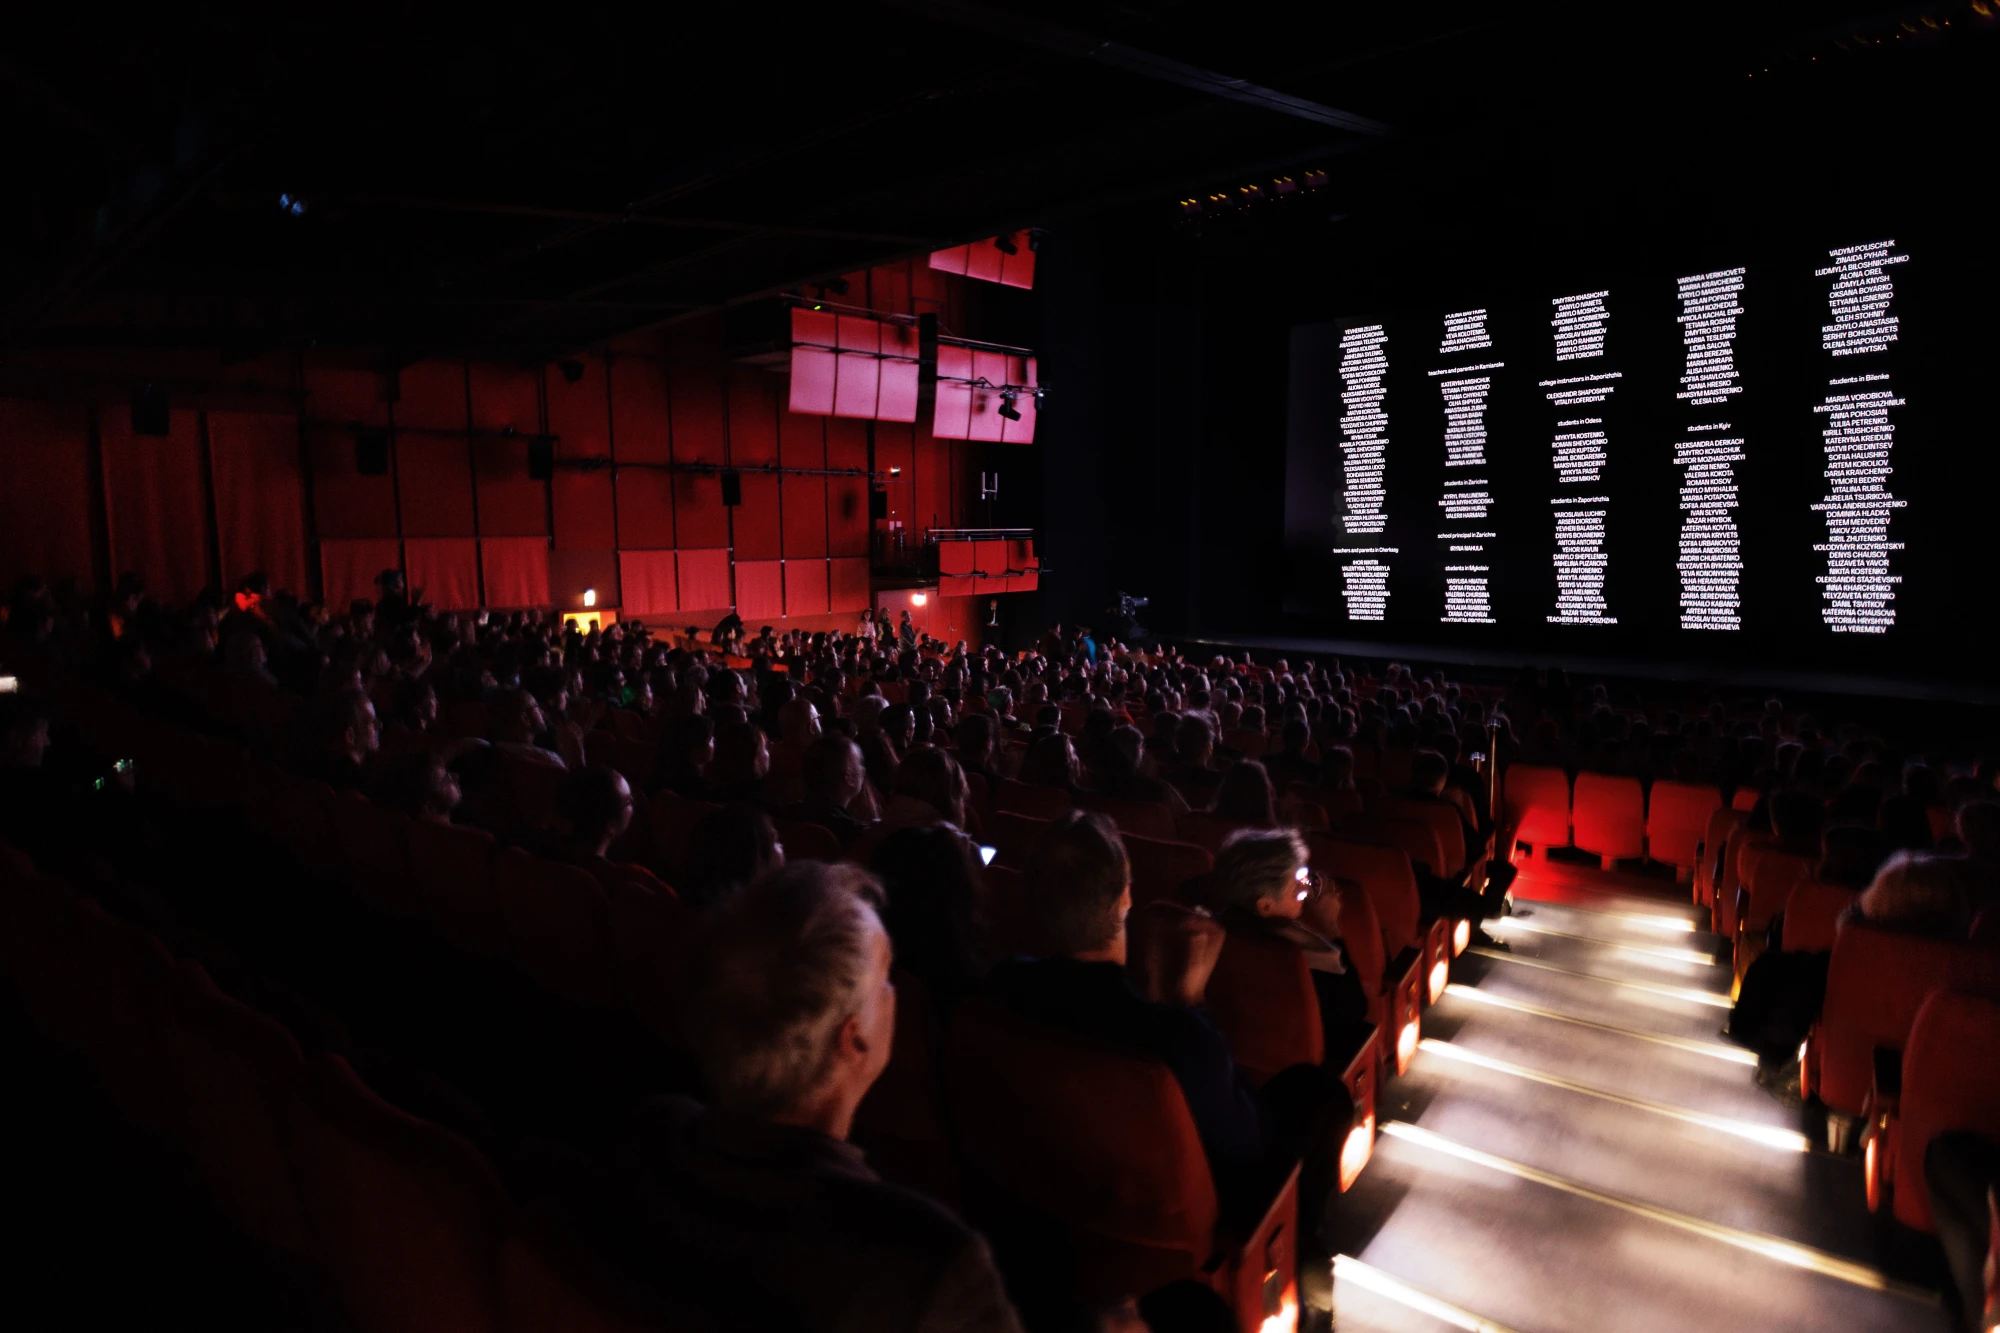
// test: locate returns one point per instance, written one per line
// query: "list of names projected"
(1579, 453)
(1711, 549)
(1364, 444)
(1858, 591)
(1468, 499)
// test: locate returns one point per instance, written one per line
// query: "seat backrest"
(1732, 875)
(673, 819)
(1208, 831)
(649, 931)
(406, 1216)
(1261, 995)
(1161, 870)
(1744, 799)
(1812, 913)
(559, 926)
(1770, 873)
(1384, 874)
(1874, 986)
(1951, 1081)
(1015, 836)
(1395, 767)
(1608, 815)
(1337, 802)
(1536, 799)
(1022, 798)
(1361, 933)
(1417, 841)
(452, 867)
(807, 842)
(1302, 815)
(1148, 819)
(1442, 820)
(1678, 816)
(1068, 1138)
(1714, 841)
(901, 1124)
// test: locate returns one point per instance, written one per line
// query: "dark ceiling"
(524, 182)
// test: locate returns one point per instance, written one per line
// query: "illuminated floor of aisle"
(1576, 1147)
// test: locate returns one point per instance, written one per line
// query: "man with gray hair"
(756, 1203)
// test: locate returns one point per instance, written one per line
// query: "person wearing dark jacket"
(756, 1200)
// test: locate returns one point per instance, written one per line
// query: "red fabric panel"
(516, 570)
(754, 529)
(814, 367)
(45, 493)
(505, 397)
(989, 558)
(704, 580)
(950, 261)
(953, 417)
(955, 558)
(1022, 431)
(570, 572)
(259, 496)
(847, 497)
(511, 504)
(700, 519)
(847, 445)
(753, 418)
(1021, 554)
(801, 441)
(1024, 582)
(431, 394)
(889, 288)
(858, 376)
(983, 260)
(645, 509)
(760, 590)
(580, 413)
(434, 478)
(805, 587)
(1018, 269)
(157, 513)
(699, 432)
(805, 518)
(583, 510)
(648, 583)
(956, 587)
(340, 395)
(638, 411)
(933, 502)
(897, 400)
(348, 568)
(849, 581)
(986, 421)
(345, 503)
(444, 570)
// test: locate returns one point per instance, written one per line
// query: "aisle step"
(1368, 1299)
(1532, 1250)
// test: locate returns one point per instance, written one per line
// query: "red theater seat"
(1148, 819)
(648, 931)
(1015, 836)
(1677, 820)
(1812, 915)
(1023, 799)
(1537, 805)
(1207, 831)
(1162, 870)
(1338, 803)
(406, 1217)
(1442, 820)
(1608, 817)
(900, 1124)
(1950, 1081)
(1261, 996)
(453, 869)
(1874, 986)
(559, 925)
(1418, 841)
(807, 842)
(1708, 882)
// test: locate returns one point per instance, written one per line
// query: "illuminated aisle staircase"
(1577, 1148)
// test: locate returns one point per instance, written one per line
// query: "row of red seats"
(402, 1222)
(1613, 817)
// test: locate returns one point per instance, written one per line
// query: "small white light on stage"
(1461, 937)
(895, 472)
(918, 599)
(590, 597)
(1440, 974)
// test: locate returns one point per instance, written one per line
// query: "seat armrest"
(1888, 1074)
(1400, 965)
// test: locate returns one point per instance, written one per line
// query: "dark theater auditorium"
(944, 666)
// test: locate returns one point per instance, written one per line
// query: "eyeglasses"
(1306, 884)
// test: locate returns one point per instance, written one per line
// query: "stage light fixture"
(590, 597)
(1034, 238)
(1005, 245)
(1007, 408)
(572, 370)
(895, 472)
(918, 599)
(1315, 178)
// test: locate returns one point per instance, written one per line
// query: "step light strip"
(1713, 1050)
(1346, 1268)
(1770, 1247)
(1784, 1140)
(1643, 950)
(1671, 925)
(1714, 999)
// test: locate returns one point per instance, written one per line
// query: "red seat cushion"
(1874, 986)
(1951, 1081)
